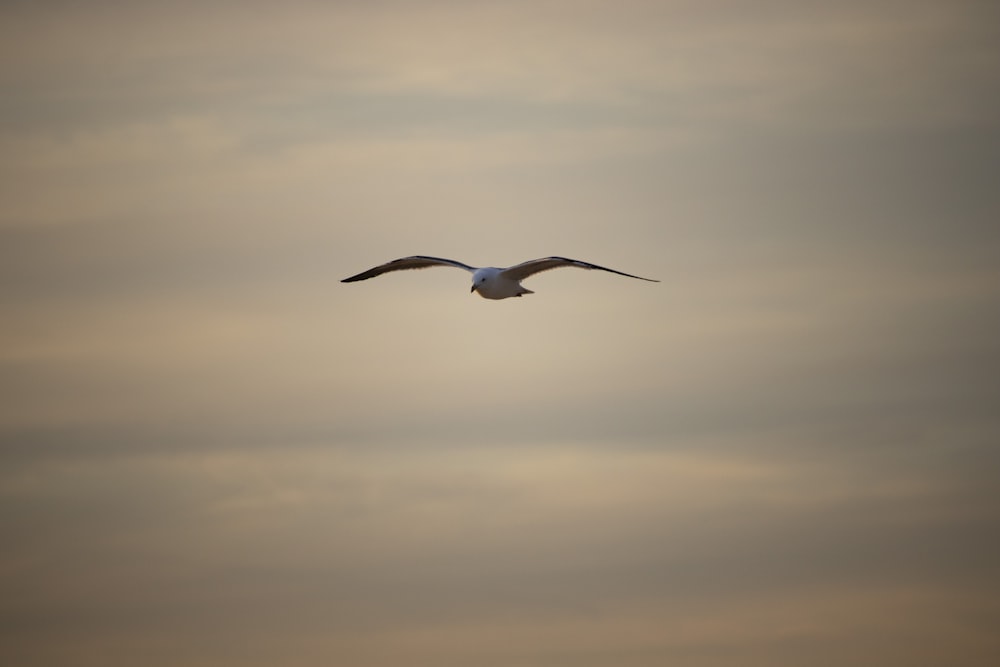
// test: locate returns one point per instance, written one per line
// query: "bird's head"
(479, 279)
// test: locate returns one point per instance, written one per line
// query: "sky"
(214, 453)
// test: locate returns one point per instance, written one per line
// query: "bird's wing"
(531, 267)
(414, 262)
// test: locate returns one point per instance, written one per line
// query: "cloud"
(214, 451)
(782, 66)
(443, 552)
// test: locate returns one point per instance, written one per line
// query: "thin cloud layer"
(215, 453)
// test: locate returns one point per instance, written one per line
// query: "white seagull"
(489, 281)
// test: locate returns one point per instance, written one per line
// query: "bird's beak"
(473, 288)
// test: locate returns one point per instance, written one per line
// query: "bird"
(489, 282)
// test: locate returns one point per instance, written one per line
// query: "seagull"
(490, 282)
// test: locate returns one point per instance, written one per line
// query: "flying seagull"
(490, 282)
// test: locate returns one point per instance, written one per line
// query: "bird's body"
(490, 282)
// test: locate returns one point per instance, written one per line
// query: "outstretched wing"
(531, 267)
(414, 262)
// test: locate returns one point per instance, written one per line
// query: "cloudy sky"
(213, 453)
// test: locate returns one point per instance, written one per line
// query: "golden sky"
(214, 453)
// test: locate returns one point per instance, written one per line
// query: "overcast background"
(785, 453)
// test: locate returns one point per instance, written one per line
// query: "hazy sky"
(215, 454)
